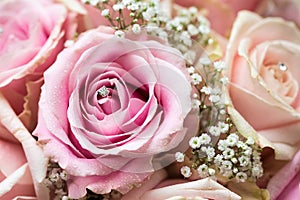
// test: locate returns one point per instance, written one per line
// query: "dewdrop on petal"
(186, 171)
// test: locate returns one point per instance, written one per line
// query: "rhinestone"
(282, 66)
(103, 91)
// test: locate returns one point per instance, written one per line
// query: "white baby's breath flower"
(63, 175)
(189, 56)
(210, 152)
(191, 70)
(185, 38)
(232, 139)
(223, 112)
(204, 138)
(214, 130)
(257, 171)
(211, 171)
(223, 127)
(228, 153)
(163, 35)
(195, 142)
(219, 65)
(224, 80)
(118, 6)
(227, 165)
(241, 176)
(244, 161)
(222, 145)
(193, 10)
(192, 29)
(149, 13)
(235, 170)
(247, 152)
(214, 98)
(234, 160)
(136, 28)
(205, 61)
(196, 103)
(179, 157)
(203, 170)
(120, 34)
(218, 159)
(204, 29)
(94, 2)
(250, 141)
(196, 78)
(206, 90)
(186, 171)
(105, 12)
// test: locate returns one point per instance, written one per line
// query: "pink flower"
(158, 187)
(287, 9)
(112, 108)
(222, 9)
(31, 35)
(262, 57)
(285, 184)
(22, 162)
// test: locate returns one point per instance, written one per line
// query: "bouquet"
(149, 99)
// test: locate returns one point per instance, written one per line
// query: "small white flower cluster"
(238, 159)
(233, 158)
(56, 181)
(140, 11)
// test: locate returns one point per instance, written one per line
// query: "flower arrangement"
(149, 99)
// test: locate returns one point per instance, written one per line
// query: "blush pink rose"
(222, 9)
(112, 108)
(287, 9)
(285, 184)
(31, 35)
(262, 57)
(160, 187)
(22, 162)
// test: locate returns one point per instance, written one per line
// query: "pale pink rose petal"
(205, 188)
(152, 182)
(12, 157)
(285, 184)
(34, 154)
(11, 183)
(123, 181)
(44, 46)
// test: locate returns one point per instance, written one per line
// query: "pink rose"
(262, 57)
(31, 35)
(158, 187)
(287, 9)
(222, 9)
(112, 108)
(285, 184)
(22, 162)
